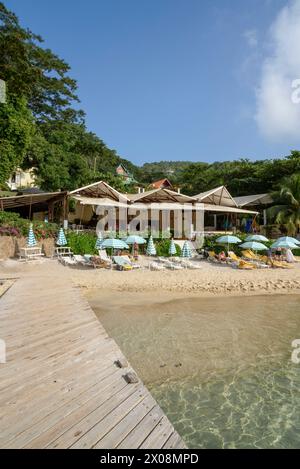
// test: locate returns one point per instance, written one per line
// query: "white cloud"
(251, 37)
(277, 116)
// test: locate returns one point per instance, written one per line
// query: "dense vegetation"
(42, 127)
(241, 177)
(11, 224)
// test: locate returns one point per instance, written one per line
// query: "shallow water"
(221, 369)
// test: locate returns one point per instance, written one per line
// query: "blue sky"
(167, 79)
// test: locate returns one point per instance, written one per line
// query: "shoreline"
(211, 281)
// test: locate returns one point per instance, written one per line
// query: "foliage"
(82, 243)
(33, 72)
(241, 177)
(286, 210)
(16, 128)
(163, 246)
(39, 126)
(11, 224)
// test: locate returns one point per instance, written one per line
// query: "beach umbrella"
(254, 245)
(151, 251)
(288, 239)
(256, 237)
(114, 243)
(172, 248)
(135, 240)
(284, 244)
(99, 241)
(61, 239)
(186, 250)
(228, 239)
(31, 241)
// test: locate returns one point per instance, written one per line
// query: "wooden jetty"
(60, 386)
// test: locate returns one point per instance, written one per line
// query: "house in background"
(22, 179)
(126, 175)
(161, 184)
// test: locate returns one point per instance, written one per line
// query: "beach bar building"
(213, 211)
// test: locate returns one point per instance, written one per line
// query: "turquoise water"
(221, 369)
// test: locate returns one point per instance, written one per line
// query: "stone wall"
(9, 246)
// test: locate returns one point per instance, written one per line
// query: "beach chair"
(281, 264)
(104, 257)
(246, 265)
(67, 260)
(172, 265)
(121, 263)
(248, 255)
(191, 265)
(83, 260)
(260, 261)
(233, 257)
(212, 257)
(156, 266)
(134, 265)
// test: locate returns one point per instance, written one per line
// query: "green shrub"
(82, 243)
(11, 224)
(163, 246)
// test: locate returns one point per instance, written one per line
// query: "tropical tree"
(287, 209)
(16, 129)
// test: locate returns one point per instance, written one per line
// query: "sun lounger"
(67, 260)
(156, 266)
(246, 265)
(233, 257)
(134, 265)
(81, 259)
(212, 257)
(122, 264)
(172, 265)
(281, 264)
(191, 265)
(103, 255)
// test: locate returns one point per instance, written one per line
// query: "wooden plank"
(127, 424)
(159, 436)
(90, 438)
(60, 387)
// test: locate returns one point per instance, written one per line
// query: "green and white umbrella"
(61, 239)
(288, 239)
(134, 239)
(114, 243)
(186, 250)
(284, 244)
(151, 250)
(256, 237)
(228, 239)
(254, 245)
(172, 248)
(99, 241)
(31, 241)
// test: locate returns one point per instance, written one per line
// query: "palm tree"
(287, 208)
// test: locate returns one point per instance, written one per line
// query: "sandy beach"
(210, 280)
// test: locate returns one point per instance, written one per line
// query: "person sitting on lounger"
(222, 256)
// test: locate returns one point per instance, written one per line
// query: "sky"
(197, 80)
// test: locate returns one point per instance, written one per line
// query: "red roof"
(161, 183)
